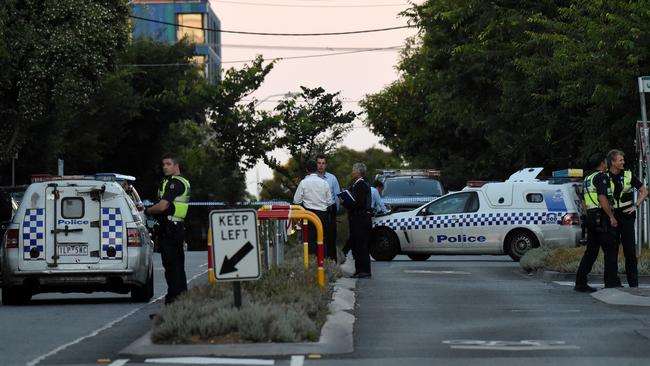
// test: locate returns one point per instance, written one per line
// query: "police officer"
(360, 212)
(599, 222)
(170, 211)
(621, 183)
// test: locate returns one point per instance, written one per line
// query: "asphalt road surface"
(449, 310)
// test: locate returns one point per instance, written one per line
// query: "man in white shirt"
(314, 194)
(332, 209)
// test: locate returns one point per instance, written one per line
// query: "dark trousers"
(330, 238)
(173, 259)
(313, 245)
(625, 236)
(360, 225)
(597, 239)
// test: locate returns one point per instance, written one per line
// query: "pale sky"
(354, 75)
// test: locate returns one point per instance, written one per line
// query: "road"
(449, 310)
(70, 329)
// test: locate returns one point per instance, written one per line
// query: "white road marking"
(543, 311)
(598, 285)
(523, 345)
(210, 361)
(95, 332)
(120, 362)
(297, 360)
(435, 272)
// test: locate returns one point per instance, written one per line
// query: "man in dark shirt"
(599, 220)
(622, 184)
(170, 212)
(360, 212)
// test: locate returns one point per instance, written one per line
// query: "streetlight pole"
(286, 95)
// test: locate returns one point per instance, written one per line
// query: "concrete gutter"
(336, 336)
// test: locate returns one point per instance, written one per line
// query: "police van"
(76, 234)
(496, 218)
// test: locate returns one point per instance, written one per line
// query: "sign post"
(644, 87)
(235, 247)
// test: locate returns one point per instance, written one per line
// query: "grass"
(284, 305)
(566, 260)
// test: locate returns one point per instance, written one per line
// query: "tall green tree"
(489, 87)
(244, 134)
(53, 56)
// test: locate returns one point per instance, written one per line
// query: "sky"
(354, 75)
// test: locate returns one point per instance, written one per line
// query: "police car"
(76, 234)
(508, 217)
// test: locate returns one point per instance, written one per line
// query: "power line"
(308, 6)
(272, 34)
(322, 54)
(282, 47)
(177, 64)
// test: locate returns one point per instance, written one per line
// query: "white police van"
(508, 217)
(76, 234)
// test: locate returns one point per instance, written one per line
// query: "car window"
(455, 203)
(412, 187)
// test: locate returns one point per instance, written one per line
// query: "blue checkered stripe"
(112, 232)
(473, 220)
(34, 233)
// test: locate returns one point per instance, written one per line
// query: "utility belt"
(598, 220)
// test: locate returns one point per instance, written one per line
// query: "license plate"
(72, 249)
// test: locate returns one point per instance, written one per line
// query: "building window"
(199, 60)
(192, 34)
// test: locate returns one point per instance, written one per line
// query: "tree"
(312, 122)
(243, 134)
(53, 56)
(489, 87)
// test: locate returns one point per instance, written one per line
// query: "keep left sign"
(235, 247)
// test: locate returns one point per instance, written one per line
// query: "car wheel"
(519, 242)
(143, 293)
(15, 295)
(419, 257)
(384, 245)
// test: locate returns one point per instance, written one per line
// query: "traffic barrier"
(297, 212)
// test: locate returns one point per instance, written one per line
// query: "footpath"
(337, 333)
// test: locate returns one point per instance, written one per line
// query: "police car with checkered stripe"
(77, 234)
(496, 218)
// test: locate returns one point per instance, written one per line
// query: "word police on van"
(508, 217)
(77, 234)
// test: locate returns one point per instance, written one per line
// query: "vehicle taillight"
(133, 238)
(12, 239)
(571, 219)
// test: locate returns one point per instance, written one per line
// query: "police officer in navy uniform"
(622, 183)
(360, 219)
(600, 223)
(170, 211)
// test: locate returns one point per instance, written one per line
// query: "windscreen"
(408, 187)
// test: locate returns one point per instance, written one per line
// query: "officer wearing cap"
(170, 211)
(600, 220)
(622, 183)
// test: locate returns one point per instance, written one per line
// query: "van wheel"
(15, 295)
(144, 293)
(419, 257)
(519, 242)
(383, 245)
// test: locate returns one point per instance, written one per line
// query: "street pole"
(644, 86)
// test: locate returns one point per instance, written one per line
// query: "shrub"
(567, 260)
(284, 305)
